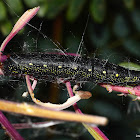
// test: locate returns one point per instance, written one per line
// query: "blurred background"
(110, 30)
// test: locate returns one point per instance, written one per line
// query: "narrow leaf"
(55, 7)
(98, 10)
(32, 3)
(2, 11)
(15, 7)
(74, 9)
(136, 19)
(132, 46)
(130, 65)
(129, 4)
(120, 27)
(6, 27)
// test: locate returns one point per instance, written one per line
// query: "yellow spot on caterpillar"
(59, 66)
(45, 65)
(30, 64)
(117, 75)
(14, 71)
(75, 68)
(25, 73)
(104, 72)
(89, 69)
(135, 78)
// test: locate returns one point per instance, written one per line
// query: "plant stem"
(9, 128)
(93, 130)
(38, 111)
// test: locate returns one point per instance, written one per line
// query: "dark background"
(112, 33)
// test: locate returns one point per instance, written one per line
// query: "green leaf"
(129, 4)
(101, 38)
(130, 65)
(72, 43)
(43, 9)
(74, 9)
(32, 3)
(132, 46)
(136, 19)
(55, 7)
(2, 11)
(6, 27)
(98, 10)
(120, 27)
(104, 108)
(46, 45)
(15, 6)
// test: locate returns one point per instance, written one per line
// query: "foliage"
(112, 33)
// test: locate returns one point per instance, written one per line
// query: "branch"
(125, 90)
(37, 111)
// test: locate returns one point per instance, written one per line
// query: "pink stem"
(29, 84)
(34, 84)
(1, 72)
(23, 20)
(2, 57)
(95, 128)
(126, 90)
(5, 42)
(56, 107)
(9, 128)
(72, 54)
(76, 108)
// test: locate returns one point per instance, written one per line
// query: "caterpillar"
(51, 67)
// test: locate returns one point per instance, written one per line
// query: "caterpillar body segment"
(51, 67)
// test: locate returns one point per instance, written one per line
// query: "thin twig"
(36, 125)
